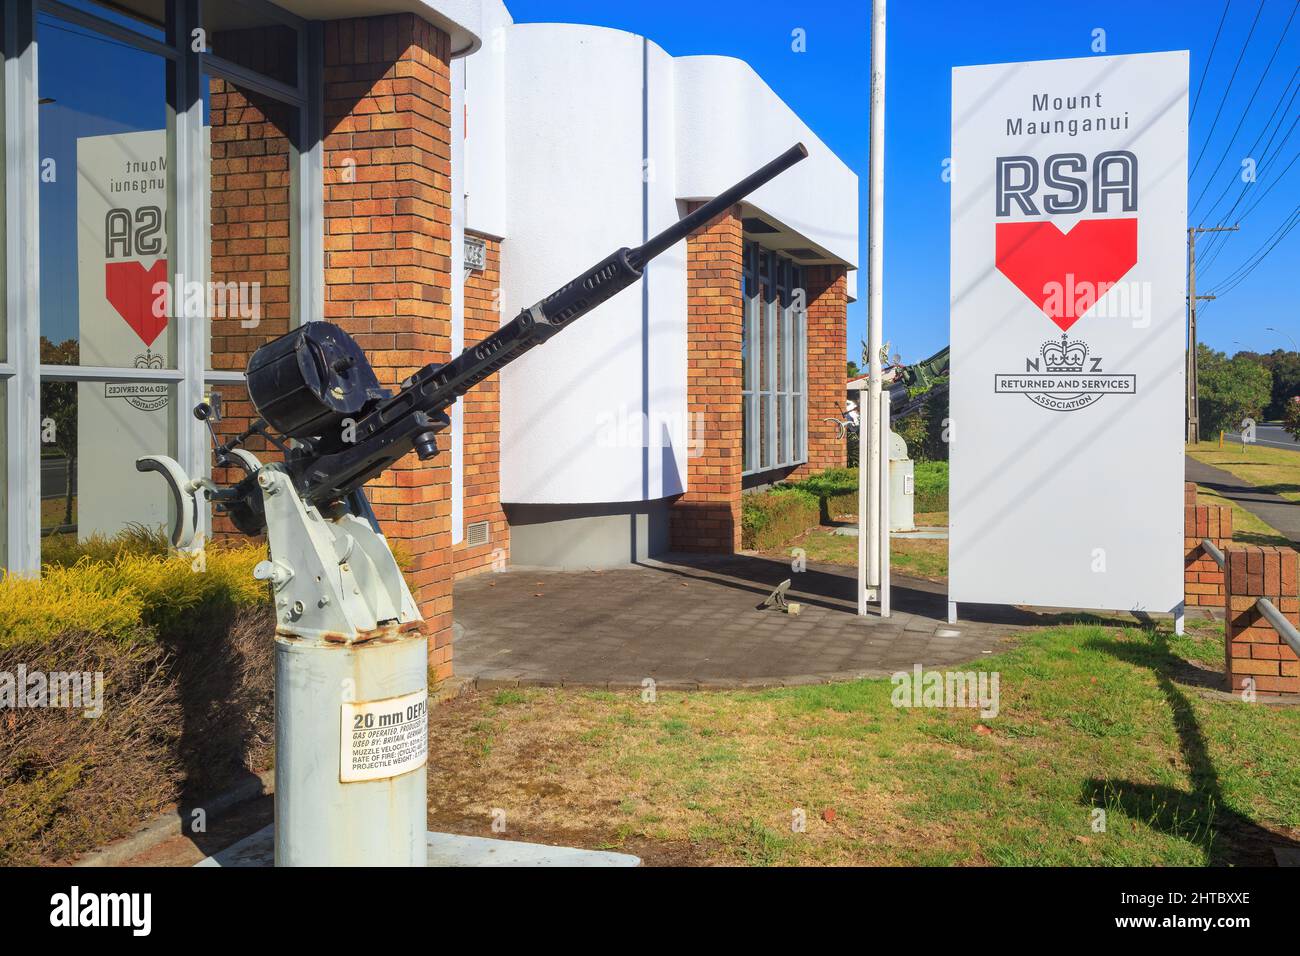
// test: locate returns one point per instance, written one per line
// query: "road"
(1270, 435)
(54, 477)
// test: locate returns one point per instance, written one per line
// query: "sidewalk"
(1270, 508)
(694, 623)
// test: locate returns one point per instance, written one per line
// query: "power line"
(1252, 263)
(1242, 278)
(1210, 257)
(1246, 112)
(1251, 208)
(1266, 163)
(1262, 157)
(1228, 89)
(1208, 60)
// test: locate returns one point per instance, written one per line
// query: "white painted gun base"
(357, 712)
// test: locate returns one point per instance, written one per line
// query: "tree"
(1230, 390)
(924, 431)
(1285, 366)
(1291, 418)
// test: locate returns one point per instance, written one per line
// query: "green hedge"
(770, 519)
(931, 486)
(182, 653)
(836, 489)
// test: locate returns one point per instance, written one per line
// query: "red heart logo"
(129, 287)
(1064, 273)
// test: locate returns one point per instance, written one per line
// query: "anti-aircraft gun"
(350, 784)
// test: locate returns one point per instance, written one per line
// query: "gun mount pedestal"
(320, 820)
(351, 689)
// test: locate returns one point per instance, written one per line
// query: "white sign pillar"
(1068, 285)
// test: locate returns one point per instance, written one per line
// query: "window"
(6, 369)
(4, 482)
(774, 361)
(167, 224)
(106, 172)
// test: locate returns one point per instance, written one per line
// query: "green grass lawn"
(919, 558)
(1272, 469)
(1092, 717)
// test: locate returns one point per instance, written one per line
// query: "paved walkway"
(1272, 509)
(694, 623)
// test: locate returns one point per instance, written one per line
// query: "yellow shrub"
(65, 599)
(132, 595)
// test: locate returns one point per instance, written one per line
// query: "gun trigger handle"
(184, 496)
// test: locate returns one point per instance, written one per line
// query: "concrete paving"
(1272, 509)
(445, 849)
(695, 623)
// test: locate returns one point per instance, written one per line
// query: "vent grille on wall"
(476, 534)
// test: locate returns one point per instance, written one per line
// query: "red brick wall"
(1203, 584)
(249, 142)
(482, 418)
(387, 251)
(1254, 651)
(707, 516)
(828, 302)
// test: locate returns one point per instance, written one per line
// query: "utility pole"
(1193, 392)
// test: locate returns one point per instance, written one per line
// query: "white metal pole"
(870, 525)
(885, 521)
(864, 479)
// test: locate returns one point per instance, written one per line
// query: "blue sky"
(828, 85)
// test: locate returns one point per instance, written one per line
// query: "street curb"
(503, 680)
(168, 825)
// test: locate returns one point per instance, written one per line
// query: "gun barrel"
(718, 205)
(444, 384)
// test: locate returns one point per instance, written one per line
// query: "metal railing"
(1276, 619)
(1285, 629)
(1215, 553)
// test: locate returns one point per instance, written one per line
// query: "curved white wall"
(729, 122)
(577, 132)
(559, 119)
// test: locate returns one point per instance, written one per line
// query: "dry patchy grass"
(1092, 716)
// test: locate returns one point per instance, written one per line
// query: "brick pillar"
(707, 516)
(387, 249)
(482, 426)
(1203, 584)
(828, 303)
(1252, 648)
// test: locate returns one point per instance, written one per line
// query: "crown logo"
(1064, 356)
(148, 360)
